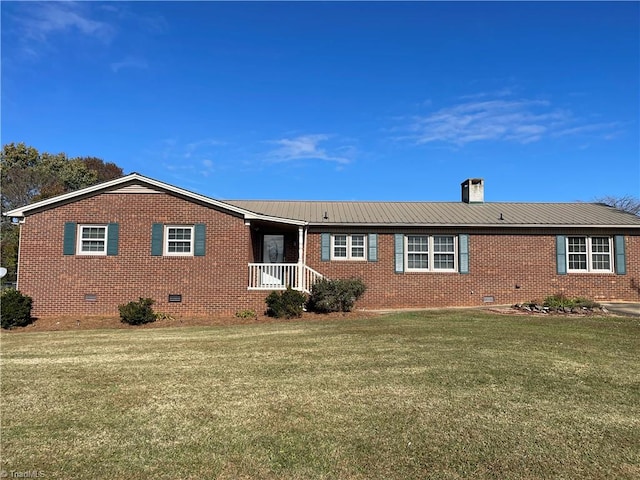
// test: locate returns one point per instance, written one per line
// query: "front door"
(272, 253)
(273, 249)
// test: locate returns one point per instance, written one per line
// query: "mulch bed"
(113, 322)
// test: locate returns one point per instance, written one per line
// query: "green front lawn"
(448, 395)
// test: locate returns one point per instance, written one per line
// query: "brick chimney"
(473, 190)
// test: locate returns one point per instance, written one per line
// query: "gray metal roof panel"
(442, 213)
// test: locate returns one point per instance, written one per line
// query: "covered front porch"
(269, 276)
(278, 252)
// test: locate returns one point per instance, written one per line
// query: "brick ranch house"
(86, 252)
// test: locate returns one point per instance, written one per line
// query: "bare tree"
(627, 203)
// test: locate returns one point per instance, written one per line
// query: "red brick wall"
(509, 268)
(214, 283)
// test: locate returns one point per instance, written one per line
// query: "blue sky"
(334, 100)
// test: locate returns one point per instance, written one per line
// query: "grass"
(413, 395)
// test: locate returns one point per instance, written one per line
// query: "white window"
(92, 239)
(444, 253)
(178, 240)
(348, 247)
(429, 253)
(589, 254)
(417, 252)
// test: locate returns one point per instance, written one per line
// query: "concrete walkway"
(628, 309)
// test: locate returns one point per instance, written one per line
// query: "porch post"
(301, 285)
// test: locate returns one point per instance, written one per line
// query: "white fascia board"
(267, 218)
(470, 225)
(20, 212)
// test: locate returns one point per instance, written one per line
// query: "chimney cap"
(473, 190)
(473, 181)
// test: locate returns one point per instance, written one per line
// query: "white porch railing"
(279, 276)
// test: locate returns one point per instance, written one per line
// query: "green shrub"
(16, 309)
(288, 304)
(585, 302)
(137, 313)
(247, 313)
(335, 295)
(560, 300)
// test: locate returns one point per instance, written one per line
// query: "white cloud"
(129, 62)
(207, 167)
(520, 121)
(199, 157)
(305, 147)
(610, 128)
(38, 28)
(41, 20)
(504, 92)
(199, 145)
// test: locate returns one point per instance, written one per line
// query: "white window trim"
(81, 227)
(349, 247)
(590, 254)
(166, 241)
(431, 254)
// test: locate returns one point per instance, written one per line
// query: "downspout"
(20, 223)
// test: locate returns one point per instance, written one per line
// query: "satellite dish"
(3, 272)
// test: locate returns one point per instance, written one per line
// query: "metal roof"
(350, 213)
(443, 213)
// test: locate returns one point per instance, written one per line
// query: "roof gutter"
(470, 225)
